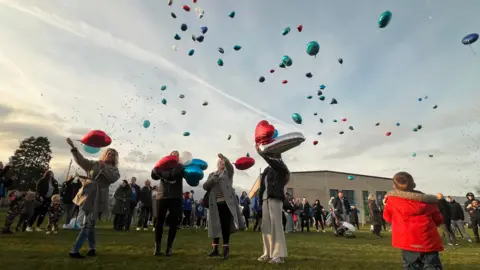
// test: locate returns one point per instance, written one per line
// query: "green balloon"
(164, 101)
(322, 98)
(313, 48)
(287, 61)
(281, 65)
(286, 31)
(297, 118)
(415, 129)
(335, 120)
(414, 155)
(220, 62)
(309, 97)
(384, 19)
(163, 88)
(186, 133)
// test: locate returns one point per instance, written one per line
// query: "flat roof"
(327, 171)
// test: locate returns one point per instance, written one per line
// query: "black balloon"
(340, 60)
(319, 133)
(200, 38)
(309, 75)
(173, 15)
(321, 120)
(262, 79)
(334, 101)
(314, 113)
(319, 93)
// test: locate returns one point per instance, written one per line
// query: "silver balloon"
(283, 143)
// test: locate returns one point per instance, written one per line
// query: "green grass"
(133, 250)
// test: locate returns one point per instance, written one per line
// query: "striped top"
(218, 192)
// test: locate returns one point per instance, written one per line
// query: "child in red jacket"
(414, 217)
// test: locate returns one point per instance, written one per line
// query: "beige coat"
(225, 181)
(97, 190)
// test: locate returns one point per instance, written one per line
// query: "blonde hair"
(56, 198)
(103, 156)
(371, 197)
(30, 196)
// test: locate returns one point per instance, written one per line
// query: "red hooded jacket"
(414, 217)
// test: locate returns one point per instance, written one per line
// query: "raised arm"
(84, 163)
(228, 167)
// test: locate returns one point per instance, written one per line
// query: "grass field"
(133, 250)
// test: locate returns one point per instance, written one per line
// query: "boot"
(226, 252)
(157, 249)
(168, 252)
(214, 252)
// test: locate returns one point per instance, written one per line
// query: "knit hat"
(403, 181)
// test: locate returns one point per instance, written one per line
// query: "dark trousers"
(319, 220)
(284, 221)
(247, 219)
(475, 225)
(417, 260)
(40, 212)
(144, 216)
(258, 220)
(225, 223)
(128, 218)
(187, 218)
(306, 223)
(377, 229)
(356, 224)
(23, 222)
(199, 221)
(119, 222)
(174, 207)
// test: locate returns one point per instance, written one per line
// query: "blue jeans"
(87, 232)
(418, 260)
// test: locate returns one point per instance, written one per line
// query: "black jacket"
(288, 207)
(444, 208)
(317, 210)
(305, 210)
(457, 211)
(337, 205)
(146, 196)
(5, 178)
(469, 202)
(171, 182)
(276, 175)
(42, 187)
(69, 190)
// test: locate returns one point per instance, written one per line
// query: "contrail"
(107, 40)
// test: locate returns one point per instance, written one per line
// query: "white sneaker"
(64, 226)
(38, 229)
(145, 229)
(324, 231)
(318, 230)
(469, 240)
(276, 260)
(139, 229)
(153, 229)
(263, 258)
(48, 232)
(29, 229)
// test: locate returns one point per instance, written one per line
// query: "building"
(325, 184)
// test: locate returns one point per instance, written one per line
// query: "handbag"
(206, 199)
(81, 197)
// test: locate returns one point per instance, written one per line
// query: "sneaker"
(64, 226)
(139, 229)
(276, 260)
(153, 229)
(48, 232)
(145, 229)
(29, 229)
(37, 229)
(318, 230)
(323, 231)
(76, 255)
(263, 258)
(55, 232)
(470, 240)
(7, 231)
(91, 253)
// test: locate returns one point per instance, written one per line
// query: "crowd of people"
(83, 200)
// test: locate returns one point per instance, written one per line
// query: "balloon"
(315, 114)
(309, 75)
(232, 14)
(146, 124)
(264, 132)
(244, 163)
(315, 142)
(272, 70)
(204, 29)
(199, 163)
(183, 112)
(193, 175)
(322, 86)
(283, 143)
(186, 133)
(186, 8)
(173, 15)
(322, 98)
(286, 31)
(284, 81)
(377, 124)
(321, 120)
(397, 124)
(97, 139)
(194, 1)
(229, 137)
(174, 47)
(344, 119)
(319, 92)
(287, 61)
(200, 38)
(297, 118)
(384, 19)
(430, 155)
(194, 38)
(181, 96)
(319, 133)
(426, 97)
(275, 134)
(237, 47)
(414, 154)
(177, 37)
(191, 52)
(470, 39)
(334, 120)
(170, 2)
(313, 48)
(434, 107)
(388, 133)
(300, 28)
(163, 88)
(164, 101)
(420, 99)
(261, 79)
(183, 27)
(350, 127)
(281, 65)
(220, 62)
(166, 163)
(340, 60)
(247, 155)
(351, 177)
(309, 97)
(90, 150)
(419, 127)
(200, 13)
(333, 102)
(185, 158)
(204, 103)
(415, 129)
(220, 50)
(341, 132)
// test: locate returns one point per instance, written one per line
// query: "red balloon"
(344, 119)
(389, 133)
(166, 163)
(186, 8)
(315, 142)
(97, 139)
(272, 70)
(264, 132)
(284, 81)
(300, 28)
(244, 163)
(194, 1)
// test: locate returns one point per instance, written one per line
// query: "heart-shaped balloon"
(264, 132)
(166, 163)
(97, 139)
(244, 163)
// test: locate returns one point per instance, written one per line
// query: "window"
(290, 191)
(365, 202)
(349, 194)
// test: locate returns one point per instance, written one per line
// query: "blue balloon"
(204, 29)
(146, 124)
(275, 134)
(351, 177)
(90, 150)
(470, 39)
(322, 86)
(398, 124)
(193, 175)
(199, 163)
(419, 99)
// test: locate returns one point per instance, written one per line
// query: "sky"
(67, 67)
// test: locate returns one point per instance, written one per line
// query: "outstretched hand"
(69, 142)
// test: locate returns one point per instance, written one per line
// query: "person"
(375, 215)
(474, 221)
(154, 206)
(474, 212)
(224, 216)
(121, 208)
(257, 212)
(458, 218)
(272, 195)
(341, 207)
(187, 209)
(17, 206)
(68, 191)
(55, 212)
(47, 186)
(169, 199)
(102, 174)
(245, 203)
(414, 218)
(305, 214)
(200, 214)
(146, 206)
(288, 208)
(318, 215)
(354, 217)
(130, 218)
(446, 226)
(5, 181)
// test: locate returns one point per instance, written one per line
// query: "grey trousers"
(460, 226)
